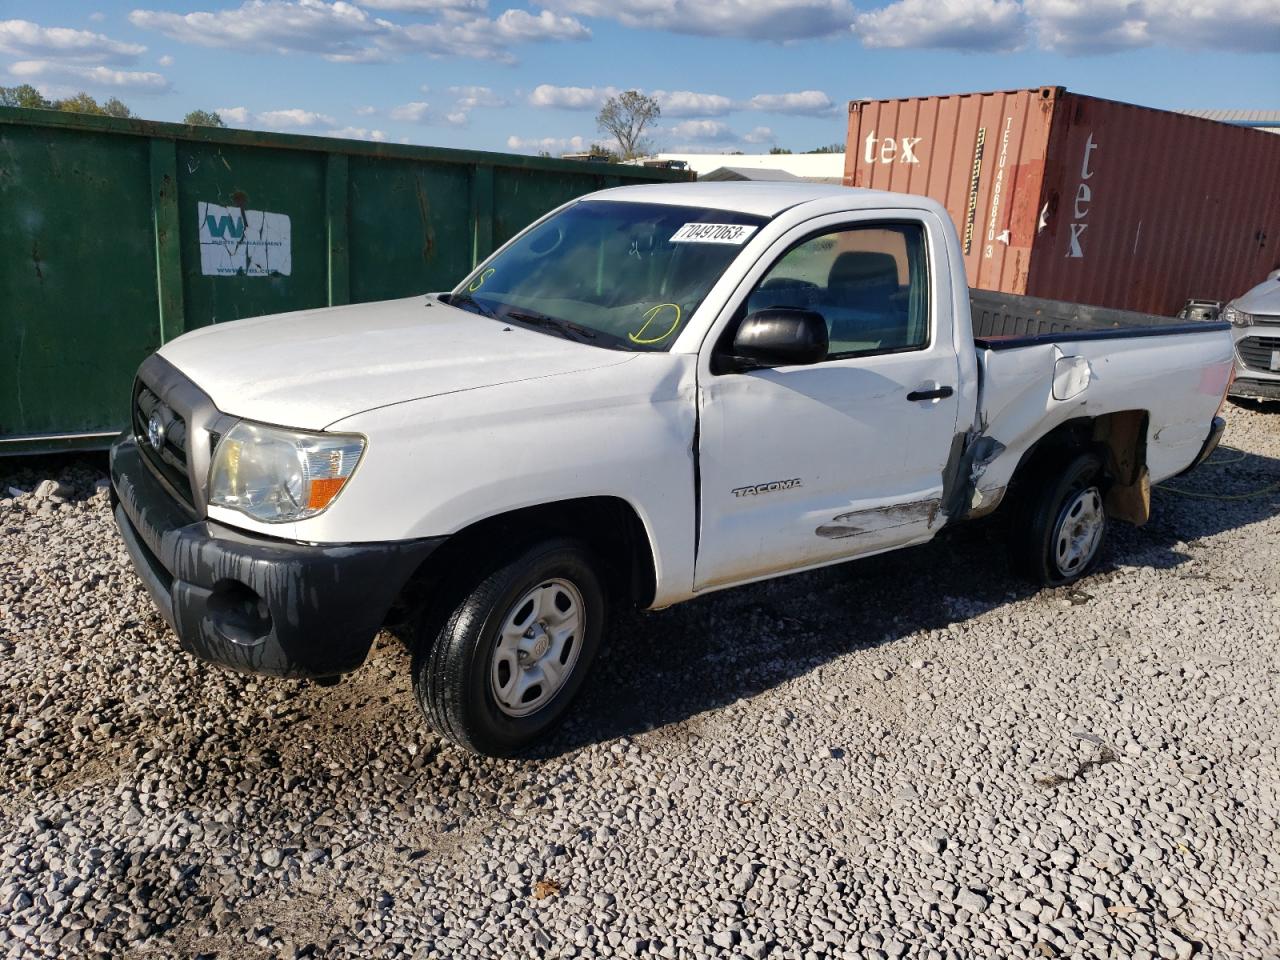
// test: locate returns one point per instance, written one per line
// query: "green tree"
(829, 148)
(778, 150)
(80, 103)
(625, 118)
(23, 96)
(203, 118)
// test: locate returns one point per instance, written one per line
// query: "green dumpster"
(119, 235)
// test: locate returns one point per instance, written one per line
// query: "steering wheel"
(547, 241)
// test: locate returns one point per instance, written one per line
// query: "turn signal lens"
(323, 490)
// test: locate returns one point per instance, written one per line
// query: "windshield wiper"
(466, 300)
(550, 323)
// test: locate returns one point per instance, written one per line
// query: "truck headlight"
(277, 475)
(1236, 316)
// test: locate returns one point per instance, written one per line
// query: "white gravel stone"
(1087, 773)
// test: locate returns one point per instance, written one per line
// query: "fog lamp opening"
(238, 613)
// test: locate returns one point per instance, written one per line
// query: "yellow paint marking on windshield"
(650, 316)
(478, 282)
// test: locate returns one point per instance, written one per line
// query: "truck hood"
(315, 367)
(1263, 299)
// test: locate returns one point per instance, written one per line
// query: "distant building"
(814, 167)
(1268, 120)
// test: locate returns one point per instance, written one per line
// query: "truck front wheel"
(512, 655)
(1061, 522)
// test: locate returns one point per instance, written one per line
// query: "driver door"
(805, 465)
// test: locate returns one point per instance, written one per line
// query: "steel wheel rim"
(1079, 531)
(537, 647)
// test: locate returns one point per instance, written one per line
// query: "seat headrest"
(863, 268)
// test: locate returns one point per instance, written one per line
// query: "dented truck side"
(832, 389)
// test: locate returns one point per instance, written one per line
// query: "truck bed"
(1002, 321)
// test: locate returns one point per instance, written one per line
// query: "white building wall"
(811, 166)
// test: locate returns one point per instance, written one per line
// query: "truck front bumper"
(253, 603)
(1252, 387)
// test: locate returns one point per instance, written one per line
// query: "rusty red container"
(1071, 197)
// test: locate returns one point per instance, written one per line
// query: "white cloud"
(1102, 26)
(521, 26)
(945, 24)
(702, 130)
(166, 61)
(480, 38)
(22, 38)
(760, 135)
(812, 102)
(235, 116)
(419, 111)
(344, 32)
(570, 98)
(1072, 26)
(293, 118)
(355, 133)
(424, 6)
(310, 26)
(778, 20)
(457, 118)
(471, 98)
(1095, 26)
(132, 81)
(552, 145)
(366, 111)
(97, 16)
(686, 103)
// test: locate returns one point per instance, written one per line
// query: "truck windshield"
(616, 274)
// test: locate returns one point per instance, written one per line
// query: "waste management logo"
(235, 242)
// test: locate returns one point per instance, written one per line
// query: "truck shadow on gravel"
(661, 669)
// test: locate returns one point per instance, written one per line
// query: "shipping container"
(119, 235)
(1069, 197)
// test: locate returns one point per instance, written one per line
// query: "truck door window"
(870, 283)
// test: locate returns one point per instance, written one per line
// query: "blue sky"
(730, 74)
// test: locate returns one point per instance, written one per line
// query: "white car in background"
(1255, 323)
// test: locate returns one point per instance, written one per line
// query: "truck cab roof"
(764, 198)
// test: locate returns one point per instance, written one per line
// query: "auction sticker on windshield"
(735, 233)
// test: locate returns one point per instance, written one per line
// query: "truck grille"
(1256, 351)
(165, 447)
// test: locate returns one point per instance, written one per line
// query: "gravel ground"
(912, 756)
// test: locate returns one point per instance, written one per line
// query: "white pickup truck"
(651, 393)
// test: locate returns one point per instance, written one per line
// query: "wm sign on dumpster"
(118, 235)
(251, 243)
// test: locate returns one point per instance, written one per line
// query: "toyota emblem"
(155, 432)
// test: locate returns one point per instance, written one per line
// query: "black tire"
(1035, 541)
(452, 670)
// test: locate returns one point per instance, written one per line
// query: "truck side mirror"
(780, 337)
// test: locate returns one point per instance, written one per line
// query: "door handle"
(941, 393)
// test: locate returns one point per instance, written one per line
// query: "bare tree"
(625, 117)
(116, 108)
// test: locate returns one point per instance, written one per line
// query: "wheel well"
(610, 526)
(1120, 438)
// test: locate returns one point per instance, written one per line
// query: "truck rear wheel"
(1061, 522)
(514, 652)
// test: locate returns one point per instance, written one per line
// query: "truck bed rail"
(1003, 321)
